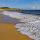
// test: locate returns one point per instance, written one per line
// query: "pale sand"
(8, 32)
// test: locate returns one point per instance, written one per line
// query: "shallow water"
(8, 29)
(16, 18)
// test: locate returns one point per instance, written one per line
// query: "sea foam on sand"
(28, 24)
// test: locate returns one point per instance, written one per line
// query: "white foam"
(31, 25)
(13, 14)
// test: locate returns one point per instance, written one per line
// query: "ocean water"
(27, 23)
(35, 12)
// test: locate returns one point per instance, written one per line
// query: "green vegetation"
(10, 9)
(7, 8)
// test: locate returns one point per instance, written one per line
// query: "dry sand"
(8, 32)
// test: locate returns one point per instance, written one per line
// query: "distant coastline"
(35, 12)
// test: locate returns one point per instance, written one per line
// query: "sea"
(34, 12)
(32, 20)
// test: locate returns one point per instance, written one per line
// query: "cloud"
(1, 5)
(32, 6)
(26, 6)
(5, 5)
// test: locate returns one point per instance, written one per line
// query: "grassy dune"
(8, 32)
(2, 9)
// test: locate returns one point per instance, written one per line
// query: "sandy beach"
(8, 32)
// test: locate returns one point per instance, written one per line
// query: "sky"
(22, 4)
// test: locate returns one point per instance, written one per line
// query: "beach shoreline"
(8, 32)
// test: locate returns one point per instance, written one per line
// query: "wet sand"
(8, 32)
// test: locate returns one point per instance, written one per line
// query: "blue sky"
(25, 4)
